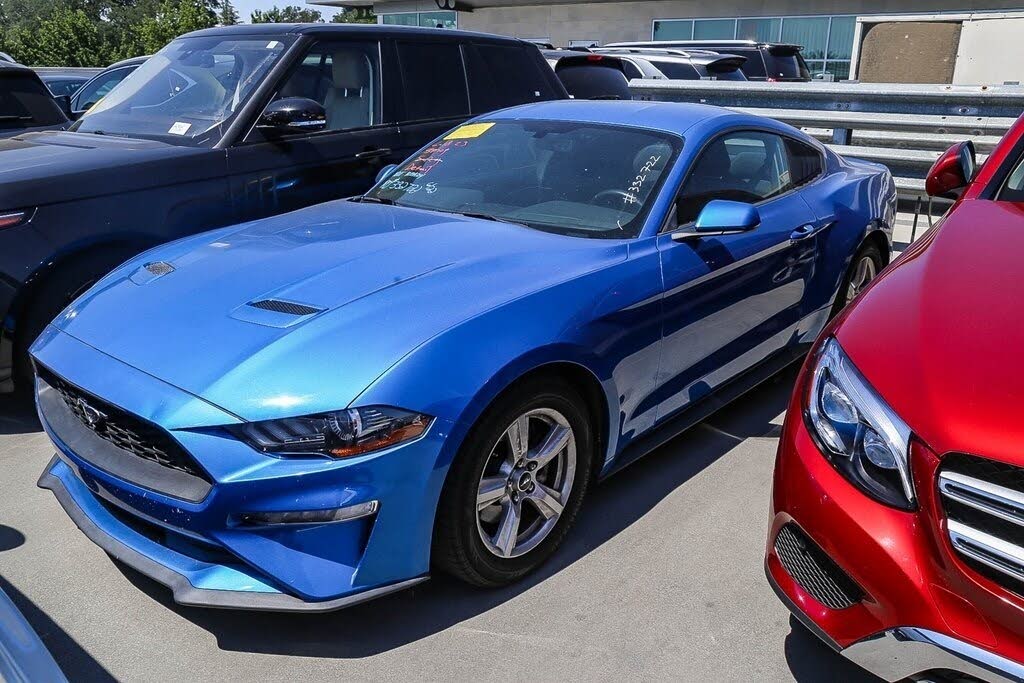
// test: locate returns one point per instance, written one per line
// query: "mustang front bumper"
(188, 532)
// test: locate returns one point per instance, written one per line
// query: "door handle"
(373, 153)
(806, 232)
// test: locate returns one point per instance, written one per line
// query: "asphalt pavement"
(661, 579)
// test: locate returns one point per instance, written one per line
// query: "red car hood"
(941, 335)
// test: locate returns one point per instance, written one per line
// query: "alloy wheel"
(526, 483)
(863, 274)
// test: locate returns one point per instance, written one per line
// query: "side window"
(631, 69)
(503, 76)
(434, 81)
(804, 162)
(345, 78)
(746, 166)
(93, 92)
(1013, 190)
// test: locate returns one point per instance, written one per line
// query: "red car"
(897, 521)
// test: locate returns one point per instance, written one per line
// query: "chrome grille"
(984, 505)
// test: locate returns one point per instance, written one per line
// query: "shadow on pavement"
(10, 538)
(406, 617)
(17, 416)
(812, 661)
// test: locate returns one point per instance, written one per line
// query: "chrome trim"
(1002, 556)
(998, 501)
(906, 651)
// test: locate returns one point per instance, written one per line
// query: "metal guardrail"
(904, 126)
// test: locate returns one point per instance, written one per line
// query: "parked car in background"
(102, 83)
(4, 57)
(311, 410)
(227, 125)
(897, 527)
(686, 65)
(765, 61)
(25, 105)
(587, 76)
(65, 82)
(23, 656)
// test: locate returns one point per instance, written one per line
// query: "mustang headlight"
(340, 434)
(858, 432)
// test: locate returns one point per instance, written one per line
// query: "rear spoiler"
(785, 50)
(589, 59)
(720, 63)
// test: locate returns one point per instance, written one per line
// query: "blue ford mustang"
(311, 410)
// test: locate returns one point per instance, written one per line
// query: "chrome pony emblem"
(93, 418)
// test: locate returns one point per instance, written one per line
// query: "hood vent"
(285, 307)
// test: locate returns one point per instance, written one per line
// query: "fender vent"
(814, 570)
(286, 307)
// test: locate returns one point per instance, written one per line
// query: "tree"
(355, 15)
(66, 37)
(173, 18)
(290, 14)
(228, 14)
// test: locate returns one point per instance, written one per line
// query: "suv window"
(345, 78)
(680, 71)
(753, 68)
(94, 90)
(746, 166)
(25, 101)
(503, 76)
(434, 81)
(804, 162)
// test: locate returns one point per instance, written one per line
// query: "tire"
(52, 297)
(868, 252)
(459, 547)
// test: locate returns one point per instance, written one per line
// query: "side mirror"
(293, 115)
(383, 174)
(64, 102)
(953, 171)
(721, 217)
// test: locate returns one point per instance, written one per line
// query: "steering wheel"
(605, 197)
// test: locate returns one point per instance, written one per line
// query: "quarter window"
(746, 166)
(435, 82)
(804, 162)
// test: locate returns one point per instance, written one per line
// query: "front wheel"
(516, 486)
(864, 267)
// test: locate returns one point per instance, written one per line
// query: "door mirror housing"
(383, 174)
(293, 115)
(64, 102)
(953, 171)
(721, 217)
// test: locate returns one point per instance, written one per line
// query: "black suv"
(228, 125)
(765, 61)
(26, 104)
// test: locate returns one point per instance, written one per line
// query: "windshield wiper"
(372, 200)
(490, 217)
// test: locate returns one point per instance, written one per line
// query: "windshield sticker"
(272, 44)
(632, 194)
(179, 128)
(470, 131)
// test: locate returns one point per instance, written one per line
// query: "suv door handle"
(373, 153)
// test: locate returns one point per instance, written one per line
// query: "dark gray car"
(25, 103)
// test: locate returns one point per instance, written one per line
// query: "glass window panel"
(841, 70)
(811, 32)
(766, 30)
(673, 30)
(408, 19)
(438, 19)
(840, 41)
(815, 66)
(714, 29)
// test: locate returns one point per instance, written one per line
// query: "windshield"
(572, 178)
(187, 92)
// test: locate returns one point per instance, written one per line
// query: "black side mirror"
(293, 115)
(64, 102)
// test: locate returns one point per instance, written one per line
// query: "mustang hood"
(260, 318)
(940, 335)
(50, 167)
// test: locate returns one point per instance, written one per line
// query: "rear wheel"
(864, 267)
(516, 486)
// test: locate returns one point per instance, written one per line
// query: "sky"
(245, 7)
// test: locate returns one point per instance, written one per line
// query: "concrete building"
(828, 30)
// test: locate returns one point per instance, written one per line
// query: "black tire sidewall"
(866, 249)
(459, 495)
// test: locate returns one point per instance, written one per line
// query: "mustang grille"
(814, 570)
(984, 505)
(124, 430)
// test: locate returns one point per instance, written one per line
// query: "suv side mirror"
(64, 102)
(293, 115)
(953, 171)
(721, 217)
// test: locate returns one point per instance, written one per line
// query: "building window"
(426, 19)
(827, 40)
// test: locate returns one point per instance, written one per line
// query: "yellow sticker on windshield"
(472, 130)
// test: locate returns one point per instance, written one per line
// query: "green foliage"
(173, 18)
(228, 14)
(290, 14)
(355, 15)
(66, 37)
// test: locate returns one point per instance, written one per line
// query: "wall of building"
(619, 21)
